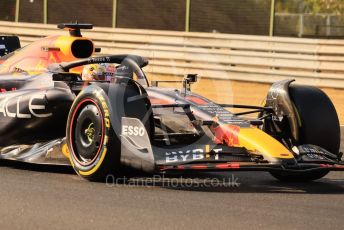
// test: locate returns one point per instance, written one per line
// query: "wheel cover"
(86, 132)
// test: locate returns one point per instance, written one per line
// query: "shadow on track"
(263, 182)
(37, 167)
(231, 182)
(238, 182)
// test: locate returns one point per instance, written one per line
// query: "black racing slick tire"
(94, 149)
(318, 125)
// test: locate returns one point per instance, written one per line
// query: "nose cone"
(255, 139)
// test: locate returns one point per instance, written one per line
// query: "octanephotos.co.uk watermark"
(174, 182)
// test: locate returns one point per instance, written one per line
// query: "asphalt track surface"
(41, 197)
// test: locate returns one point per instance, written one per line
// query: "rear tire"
(318, 125)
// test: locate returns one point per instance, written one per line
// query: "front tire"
(318, 125)
(90, 136)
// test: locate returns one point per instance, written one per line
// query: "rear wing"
(8, 44)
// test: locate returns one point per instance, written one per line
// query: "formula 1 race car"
(49, 115)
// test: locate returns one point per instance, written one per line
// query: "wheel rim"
(86, 132)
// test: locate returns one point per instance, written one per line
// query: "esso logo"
(130, 130)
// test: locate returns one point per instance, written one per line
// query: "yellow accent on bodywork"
(207, 150)
(64, 43)
(255, 139)
(65, 150)
(66, 153)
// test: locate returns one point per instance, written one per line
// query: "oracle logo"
(34, 105)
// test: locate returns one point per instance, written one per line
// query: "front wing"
(137, 152)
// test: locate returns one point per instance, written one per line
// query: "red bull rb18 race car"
(50, 115)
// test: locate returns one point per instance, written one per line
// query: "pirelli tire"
(318, 125)
(94, 148)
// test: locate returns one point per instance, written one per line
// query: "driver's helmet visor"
(104, 71)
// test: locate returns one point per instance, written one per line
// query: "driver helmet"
(110, 71)
(94, 72)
